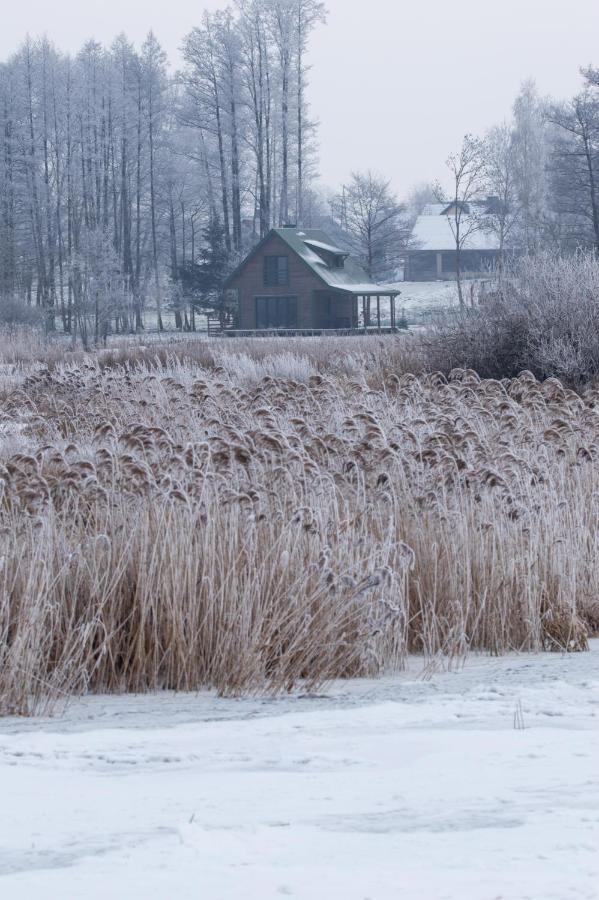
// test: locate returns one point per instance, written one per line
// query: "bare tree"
(418, 198)
(256, 65)
(229, 45)
(281, 24)
(153, 67)
(100, 289)
(308, 13)
(530, 164)
(106, 149)
(503, 212)
(467, 169)
(575, 157)
(203, 85)
(373, 221)
(8, 185)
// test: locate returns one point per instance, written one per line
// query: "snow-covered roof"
(319, 245)
(351, 277)
(434, 209)
(433, 230)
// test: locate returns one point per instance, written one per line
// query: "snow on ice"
(478, 785)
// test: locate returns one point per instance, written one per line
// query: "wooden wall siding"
(340, 306)
(302, 284)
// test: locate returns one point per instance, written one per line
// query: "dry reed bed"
(177, 527)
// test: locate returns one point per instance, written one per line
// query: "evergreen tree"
(202, 282)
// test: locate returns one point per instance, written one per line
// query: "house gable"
(252, 290)
(271, 245)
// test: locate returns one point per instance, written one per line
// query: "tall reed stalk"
(253, 526)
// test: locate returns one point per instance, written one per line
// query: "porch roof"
(372, 290)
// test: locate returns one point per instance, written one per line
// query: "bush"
(15, 312)
(542, 317)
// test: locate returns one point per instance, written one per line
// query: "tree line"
(123, 183)
(540, 169)
(127, 189)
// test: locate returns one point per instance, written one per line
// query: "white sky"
(395, 83)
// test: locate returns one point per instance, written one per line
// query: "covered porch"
(376, 310)
(363, 309)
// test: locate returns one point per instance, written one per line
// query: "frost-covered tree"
(529, 151)
(109, 143)
(373, 221)
(575, 162)
(418, 198)
(307, 14)
(101, 300)
(503, 214)
(467, 170)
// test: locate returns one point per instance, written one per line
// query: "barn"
(297, 280)
(432, 255)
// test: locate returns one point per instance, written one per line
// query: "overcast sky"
(394, 84)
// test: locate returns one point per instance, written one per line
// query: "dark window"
(276, 271)
(276, 312)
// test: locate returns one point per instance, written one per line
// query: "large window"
(276, 312)
(276, 271)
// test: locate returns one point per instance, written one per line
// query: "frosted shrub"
(248, 370)
(543, 316)
(289, 365)
(240, 366)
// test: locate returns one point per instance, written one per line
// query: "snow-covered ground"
(419, 299)
(479, 785)
(430, 293)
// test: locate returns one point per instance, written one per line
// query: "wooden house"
(298, 281)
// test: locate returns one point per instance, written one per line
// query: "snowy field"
(429, 294)
(419, 300)
(477, 785)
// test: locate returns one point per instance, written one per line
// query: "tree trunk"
(284, 200)
(31, 163)
(174, 263)
(592, 187)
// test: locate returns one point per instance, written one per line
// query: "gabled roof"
(456, 204)
(434, 209)
(435, 233)
(352, 278)
(433, 229)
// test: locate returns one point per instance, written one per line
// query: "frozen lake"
(475, 785)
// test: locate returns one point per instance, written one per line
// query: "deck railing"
(302, 332)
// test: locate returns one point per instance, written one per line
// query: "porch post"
(364, 312)
(439, 265)
(392, 298)
(378, 311)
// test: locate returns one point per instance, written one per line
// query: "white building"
(433, 254)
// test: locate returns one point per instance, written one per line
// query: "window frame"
(276, 274)
(276, 312)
